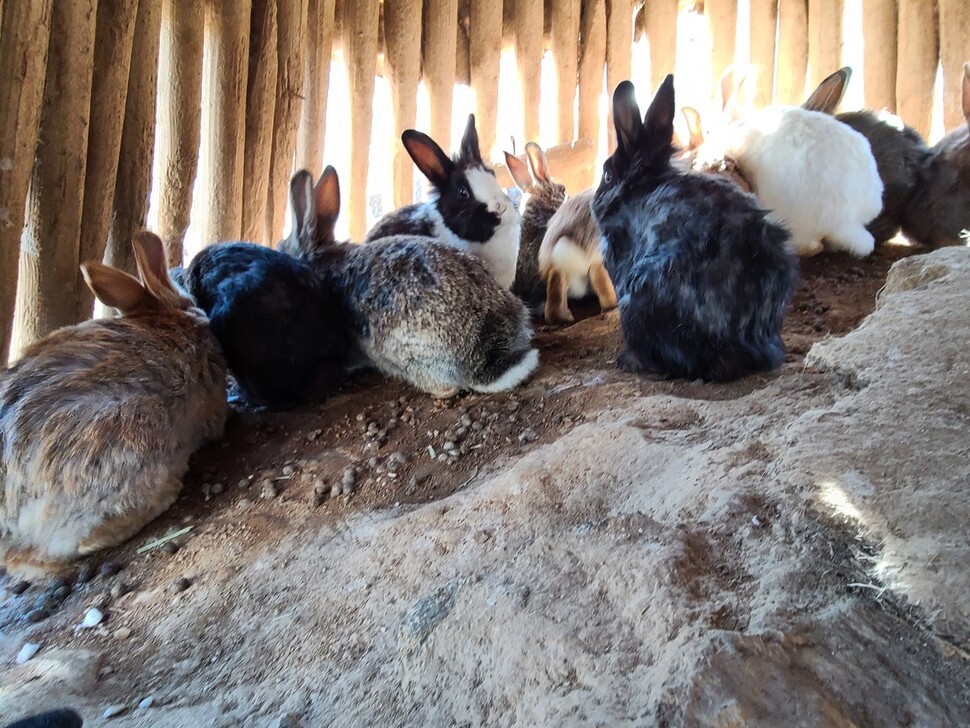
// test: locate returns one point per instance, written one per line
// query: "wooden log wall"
(225, 97)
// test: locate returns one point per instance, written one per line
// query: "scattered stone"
(217, 488)
(122, 633)
(120, 589)
(268, 489)
(113, 711)
(146, 703)
(288, 470)
(528, 435)
(86, 573)
(360, 417)
(348, 478)
(92, 618)
(244, 482)
(26, 652)
(449, 446)
(19, 587)
(38, 614)
(181, 584)
(755, 521)
(335, 490)
(244, 503)
(372, 463)
(170, 547)
(109, 568)
(61, 593)
(397, 458)
(482, 536)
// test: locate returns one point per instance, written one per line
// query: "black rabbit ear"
(470, 153)
(966, 92)
(519, 171)
(326, 202)
(428, 157)
(658, 124)
(827, 97)
(626, 117)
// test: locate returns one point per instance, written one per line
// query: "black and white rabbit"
(702, 277)
(469, 211)
(284, 332)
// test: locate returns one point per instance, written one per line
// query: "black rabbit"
(62, 718)
(702, 278)
(283, 329)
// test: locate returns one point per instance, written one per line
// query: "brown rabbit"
(571, 261)
(97, 421)
(541, 197)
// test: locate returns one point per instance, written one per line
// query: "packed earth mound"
(593, 549)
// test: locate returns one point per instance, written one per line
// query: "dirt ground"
(378, 447)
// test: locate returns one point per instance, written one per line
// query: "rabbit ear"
(114, 287)
(626, 117)
(519, 171)
(538, 162)
(326, 202)
(428, 157)
(966, 92)
(827, 97)
(727, 87)
(153, 265)
(658, 124)
(470, 153)
(693, 118)
(304, 223)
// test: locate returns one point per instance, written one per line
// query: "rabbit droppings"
(702, 277)
(97, 421)
(469, 211)
(421, 310)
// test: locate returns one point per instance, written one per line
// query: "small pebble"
(26, 652)
(397, 458)
(181, 584)
(61, 593)
(120, 589)
(86, 573)
(360, 417)
(92, 618)
(19, 587)
(38, 615)
(244, 503)
(114, 710)
(122, 633)
(755, 521)
(109, 568)
(318, 496)
(146, 703)
(217, 488)
(348, 477)
(335, 490)
(243, 483)
(449, 446)
(288, 470)
(268, 489)
(170, 547)
(482, 536)
(527, 435)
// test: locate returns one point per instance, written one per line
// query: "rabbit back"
(572, 243)
(284, 330)
(97, 423)
(939, 213)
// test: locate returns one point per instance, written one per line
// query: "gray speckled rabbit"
(97, 421)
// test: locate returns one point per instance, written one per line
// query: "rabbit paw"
(559, 316)
(443, 392)
(629, 362)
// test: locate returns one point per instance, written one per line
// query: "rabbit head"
(644, 147)
(314, 209)
(151, 292)
(468, 197)
(535, 179)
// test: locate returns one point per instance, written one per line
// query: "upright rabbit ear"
(827, 97)
(153, 266)
(470, 153)
(304, 223)
(626, 117)
(428, 157)
(538, 162)
(326, 203)
(519, 171)
(658, 124)
(966, 92)
(114, 287)
(694, 127)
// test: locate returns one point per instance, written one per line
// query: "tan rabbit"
(571, 260)
(97, 421)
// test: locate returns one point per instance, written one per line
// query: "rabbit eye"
(608, 177)
(463, 192)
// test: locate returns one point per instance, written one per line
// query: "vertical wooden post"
(223, 116)
(722, 15)
(528, 59)
(25, 29)
(438, 65)
(462, 43)
(619, 51)
(260, 111)
(592, 59)
(661, 29)
(46, 292)
(764, 19)
(402, 67)
(918, 53)
(179, 118)
(879, 64)
(137, 140)
(485, 51)
(954, 52)
(824, 39)
(316, 82)
(109, 91)
(565, 54)
(792, 52)
(291, 16)
(360, 45)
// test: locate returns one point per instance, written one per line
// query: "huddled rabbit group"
(97, 421)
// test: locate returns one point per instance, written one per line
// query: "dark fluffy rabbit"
(283, 330)
(469, 210)
(702, 278)
(62, 718)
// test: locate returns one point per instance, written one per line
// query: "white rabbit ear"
(538, 162)
(326, 203)
(827, 97)
(626, 117)
(114, 287)
(966, 92)
(519, 171)
(693, 118)
(428, 157)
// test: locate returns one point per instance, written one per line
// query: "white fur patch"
(513, 376)
(569, 259)
(501, 252)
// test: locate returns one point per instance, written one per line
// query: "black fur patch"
(62, 718)
(463, 214)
